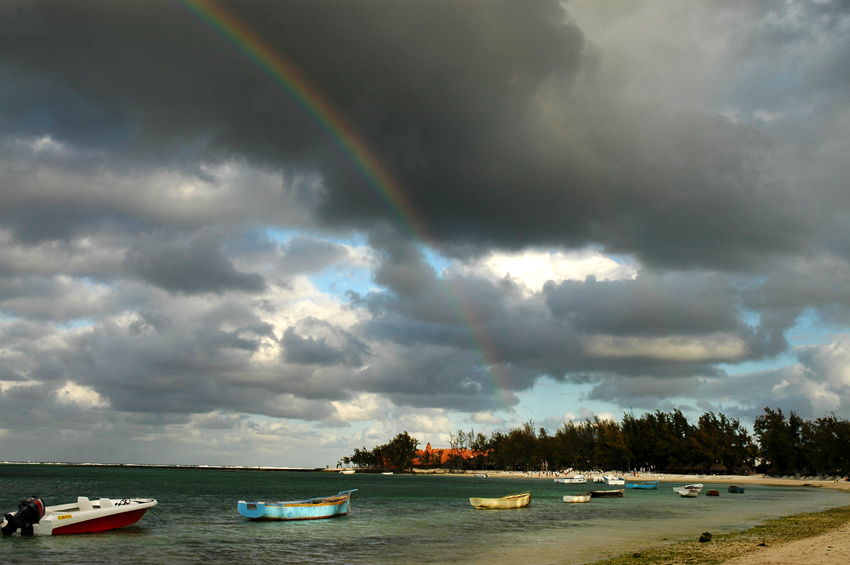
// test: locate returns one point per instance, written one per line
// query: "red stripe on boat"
(102, 524)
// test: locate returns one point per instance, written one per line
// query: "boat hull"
(312, 509)
(619, 493)
(88, 516)
(520, 500)
(687, 492)
(577, 498)
(652, 485)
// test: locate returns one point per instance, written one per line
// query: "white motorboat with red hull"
(82, 517)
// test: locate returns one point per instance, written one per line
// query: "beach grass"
(723, 547)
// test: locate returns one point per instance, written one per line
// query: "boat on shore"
(647, 485)
(578, 498)
(310, 509)
(734, 489)
(619, 493)
(81, 517)
(519, 500)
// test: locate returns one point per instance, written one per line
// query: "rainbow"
(328, 119)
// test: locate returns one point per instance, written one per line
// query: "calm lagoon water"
(394, 519)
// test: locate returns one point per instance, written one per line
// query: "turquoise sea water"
(394, 519)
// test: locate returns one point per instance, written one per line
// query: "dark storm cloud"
(194, 266)
(475, 108)
(348, 349)
(149, 165)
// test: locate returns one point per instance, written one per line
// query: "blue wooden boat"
(648, 485)
(735, 489)
(310, 509)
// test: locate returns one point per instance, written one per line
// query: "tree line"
(659, 442)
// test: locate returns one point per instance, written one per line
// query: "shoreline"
(814, 538)
(754, 479)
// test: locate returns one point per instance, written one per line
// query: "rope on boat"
(157, 515)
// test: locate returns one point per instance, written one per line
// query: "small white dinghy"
(82, 517)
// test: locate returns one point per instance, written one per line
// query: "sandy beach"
(818, 539)
(825, 549)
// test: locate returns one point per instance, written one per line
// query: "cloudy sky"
(266, 232)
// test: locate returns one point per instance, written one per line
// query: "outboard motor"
(30, 511)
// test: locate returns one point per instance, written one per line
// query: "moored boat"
(82, 517)
(614, 480)
(647, 485)
(735, 489)
(578, 498)
(619, 493)
(310, 509)
(687, 492)
(696, 487)
(713, 492)
(575, 480)
(519, 500)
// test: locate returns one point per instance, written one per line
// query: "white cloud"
(82, 396)
(533, 268)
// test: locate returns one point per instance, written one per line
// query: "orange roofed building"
(439, 457)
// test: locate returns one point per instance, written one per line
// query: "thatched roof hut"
(718, 469)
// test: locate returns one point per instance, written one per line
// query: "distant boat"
(578, 498)
(713, 493)
(648, 485)
(696, 487)
(520, 500)
(608, 493)
(310, 509)
(387, 473)
(481, 475)
(687, 492)
(575, 480)
(614, 480)
(735, 489)
(81, 517)
(347, 472)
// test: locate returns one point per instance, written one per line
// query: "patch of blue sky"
(339, 281)
(808, 329)
(281, 236)
(811, 329)
(550, 401)
(437, 261)
(76, 324)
